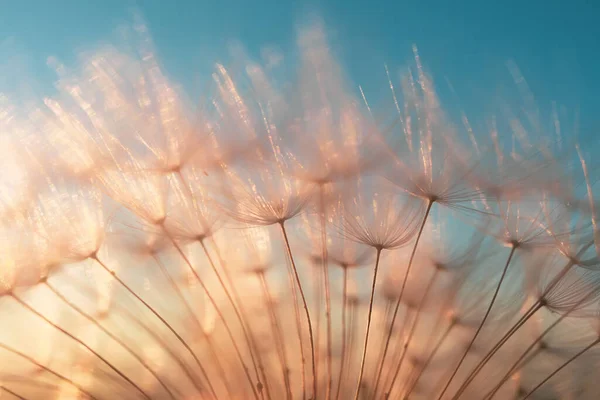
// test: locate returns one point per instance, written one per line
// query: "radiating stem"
(74, 338)
(240, 303)
(343, 355)
(236, 310)
(412, 330)
(304, 303)
(482, 323)
(110, 335)
(47, 369)
(156, 314)
(318, 301)
(528, 314)
(366, 342)
(396, 354)
(386, 316)
(431, 337)
(534, 308)
(163, 345)
(325, 270)
(211, 345)
(436, 348)
(219, 313)
(7, 390)
(556, 371)
(188, 189)
(520, 364)
(277, 333)
(294, 291)
(399, 301)
(540, 338)
(351, 335)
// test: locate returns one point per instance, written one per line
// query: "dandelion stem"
(277, 333)
(482, 323)
(412, 331)
(236, 310)
(291, 282)
(318, 277)
(240, 304)
(242, 321)
(305, 305)
(219, 313)
(520, 364)
(386, 314)
(324, 257)
(110, 335)
(539, 339)
(433, 353)
(101, 358)
(156, 314)
(556, 371)
(343, 355)
(528, 314)
(399, 301)
(351, 334)
(49, 370)
(7, 390)
(165, 346)
(366, 342)
(211, 345)
(396, 355)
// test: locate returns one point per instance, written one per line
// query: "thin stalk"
(410, 262)
(236, 310)
(430, 338)
(7, 390)
(219, 313)
(291, 282)
(396, 354)
(305, 305)
(540, 338)
(412, 330)
(436, 348)
(534, 308)
(528, 314)
(110, 335)
(47, 369)
(325, 270)
(259, 385)
(343, 355)
(386, 314)
(277, 333)
(240, 303)
(156, 314)
(351, 335)
(366, 341)
(82, 343)
(211, 345)
(318, 301)
(522, 363)
(26, 380)
(163, 345)
(556, 371)
(482, 323)
(106, 378)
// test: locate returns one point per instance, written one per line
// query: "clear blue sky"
(555, 43)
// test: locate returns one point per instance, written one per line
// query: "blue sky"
(468, 43)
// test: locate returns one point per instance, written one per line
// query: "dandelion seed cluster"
(289, 239)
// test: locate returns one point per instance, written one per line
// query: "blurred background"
(465, 44)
